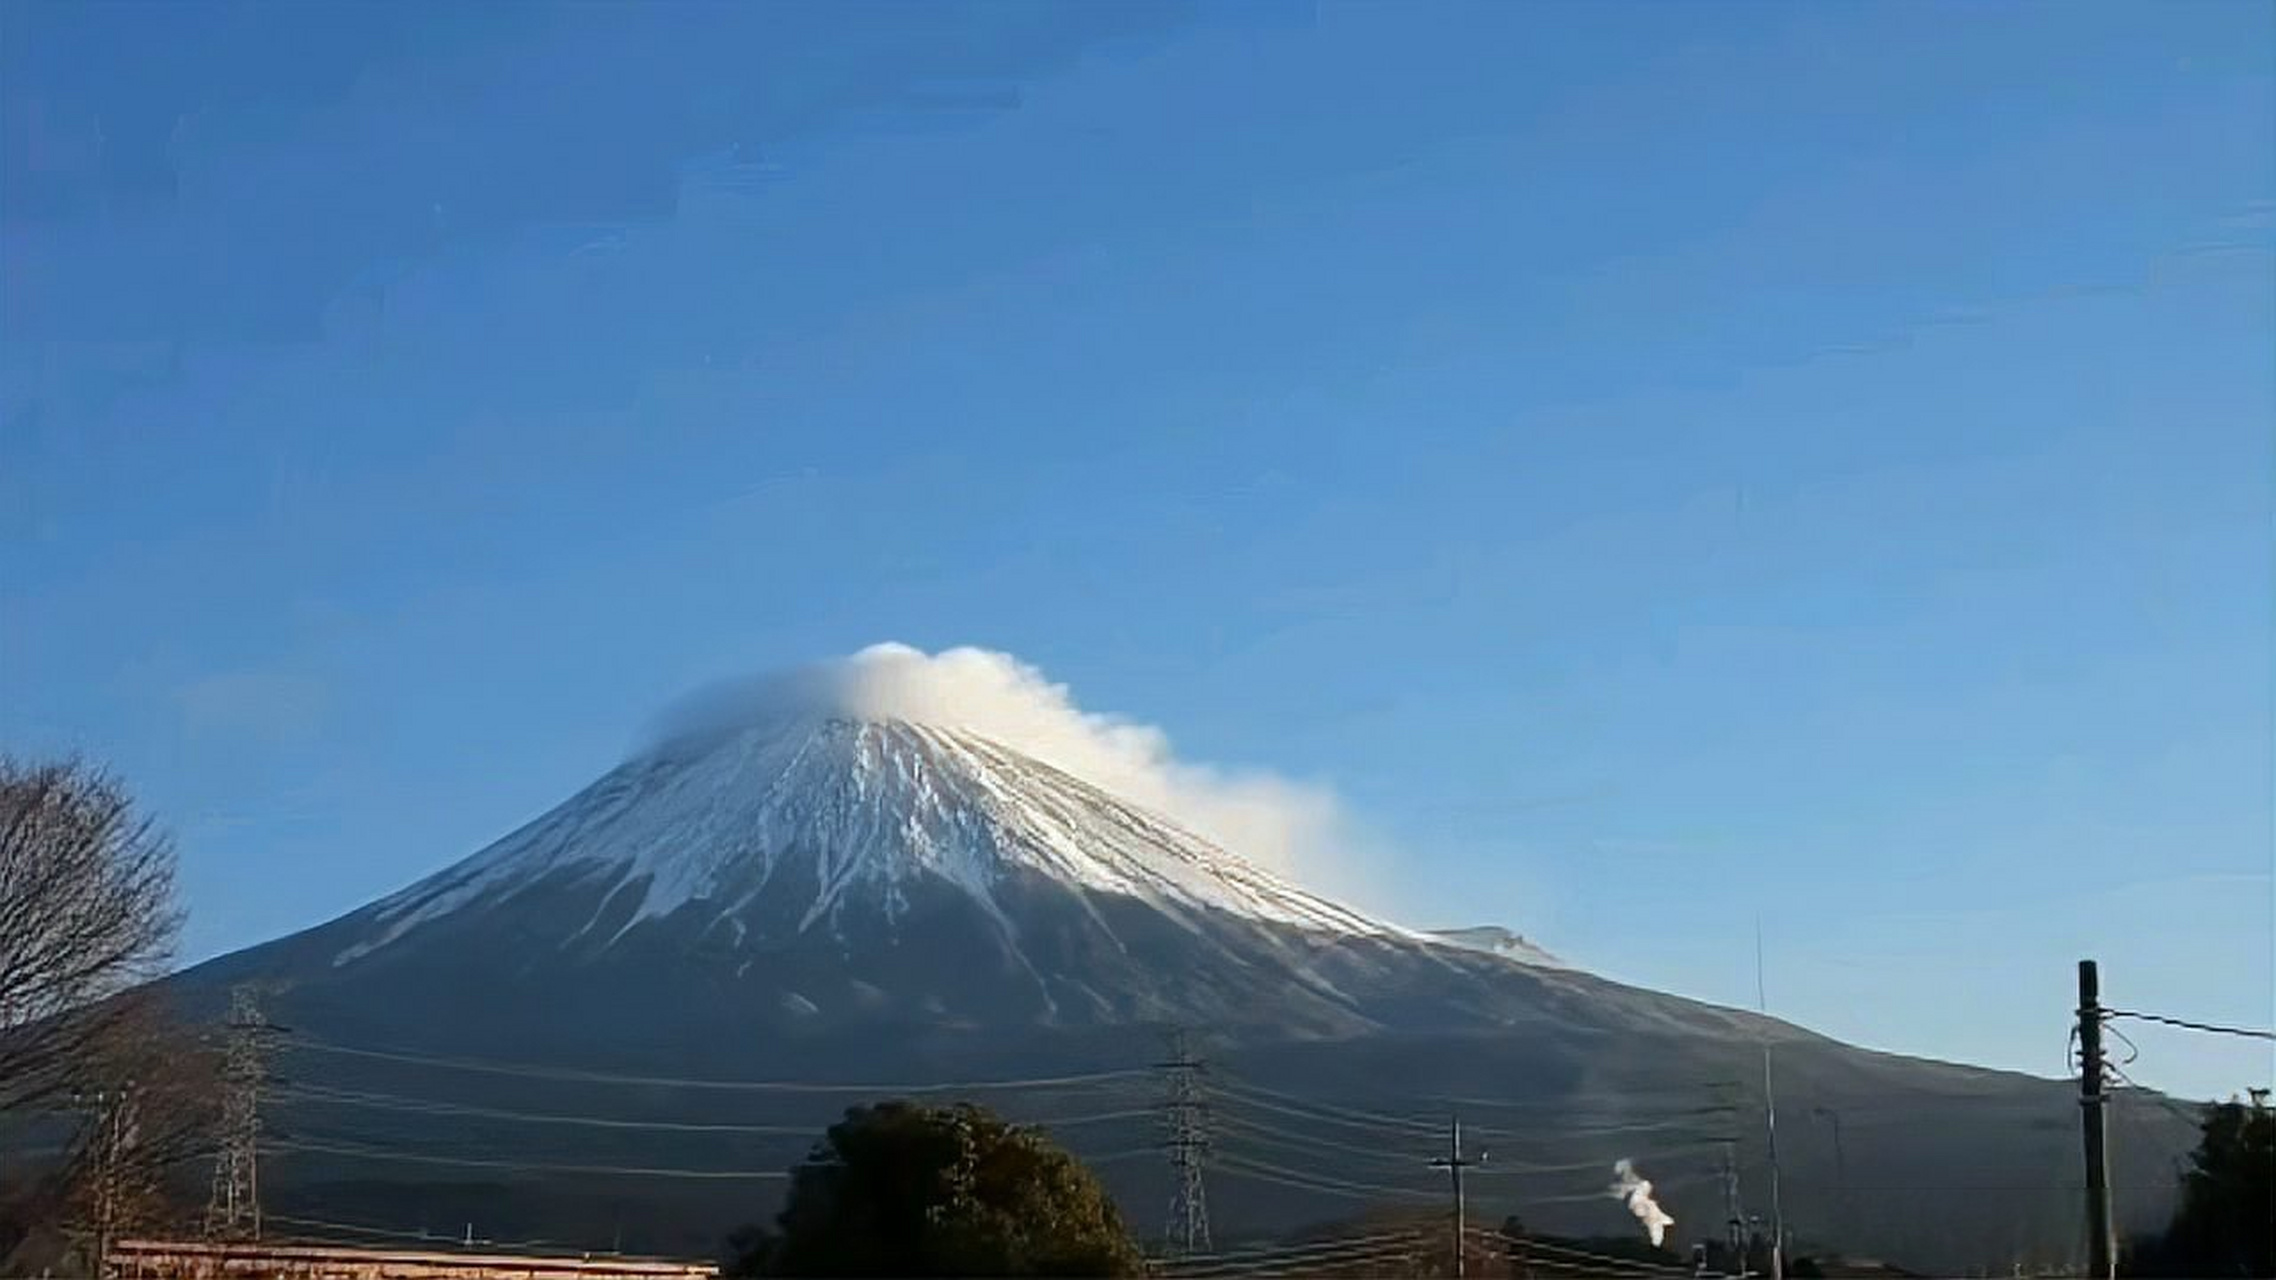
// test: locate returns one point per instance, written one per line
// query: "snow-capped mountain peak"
(855, 813)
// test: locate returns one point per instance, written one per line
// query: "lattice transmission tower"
(1186, 1115)
(233, 1210)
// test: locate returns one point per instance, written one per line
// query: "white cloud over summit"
(1288, 827)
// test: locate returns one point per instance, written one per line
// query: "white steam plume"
(1275, 823)
(1636, 1193)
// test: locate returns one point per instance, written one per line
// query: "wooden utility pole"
(1454, 1163)
(2099, 1246)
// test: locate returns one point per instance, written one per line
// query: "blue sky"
(1662, 465)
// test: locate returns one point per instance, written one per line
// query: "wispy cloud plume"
(1285, 826)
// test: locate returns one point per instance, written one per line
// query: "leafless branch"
(87, 913)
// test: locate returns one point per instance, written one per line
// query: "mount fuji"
(637, 1007)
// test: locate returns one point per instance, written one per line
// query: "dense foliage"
(901, 1189)
(2226, 1225)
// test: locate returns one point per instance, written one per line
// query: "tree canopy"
(2226, 1225)
(901, 1189)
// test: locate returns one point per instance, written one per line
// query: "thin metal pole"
(1770, 1119)
(1454, 1163)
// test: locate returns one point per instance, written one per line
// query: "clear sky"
(1662, 465)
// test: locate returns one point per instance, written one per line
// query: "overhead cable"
(325, 1094)
(414, 1157)
(2250, 1033)
(536, 1072)
(1266, 1171)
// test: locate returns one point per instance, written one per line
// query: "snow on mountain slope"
(861, 809)
(1498, 941)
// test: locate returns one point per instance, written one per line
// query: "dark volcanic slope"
(652, 995)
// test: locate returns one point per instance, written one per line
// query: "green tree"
(901, 1189)
(2226, 1225)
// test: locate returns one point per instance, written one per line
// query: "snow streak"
(857, 812)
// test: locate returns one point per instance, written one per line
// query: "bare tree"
(147, 1100)
(87, 912)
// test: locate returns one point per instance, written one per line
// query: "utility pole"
(1187, 1115)
(2099, 1245)
(110, 1109)
(1777, 1210)
(1840, 1164)
(1454, 1163)
(233, 1210)
(1734, 1210)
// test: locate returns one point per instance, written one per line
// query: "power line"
(1391, 1162)
(378, 1101)
(1535, 1253)
(1096, 1117)
(357, 1147)
(1407, 1243)
(1315, 1146)
(2249, 1033)
(1297, 1108)
(1378, 1132)
(1575, 1166)
(1530, 1245)
(1306, 1246)
(1264, 1171)
(414, 1157)
(1580, 1103)
(415, 1106)
(1307, 1263)
(429, 1238)
(1292, 1146)
(2140, 1125)
(1322, 1252)
(1418, 1122)
(352, 1229)
(1111, 1157)
(572, 1075)
(1598, 1195)
(1365, 1240)
(1674, 1124)
(1310, 1265)
(2191, 1112)
(434, 1240)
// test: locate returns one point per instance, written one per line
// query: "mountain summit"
(775, 831)
(821, 888)
(843, 872)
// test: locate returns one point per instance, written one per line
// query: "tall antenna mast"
(1770, 1118)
